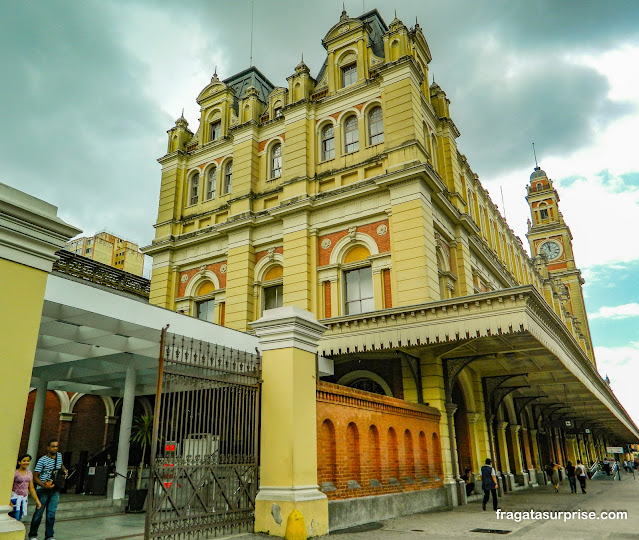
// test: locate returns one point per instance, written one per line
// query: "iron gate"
(204, 470)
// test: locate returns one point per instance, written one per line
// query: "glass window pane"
(195, 184)
(367, 304)
(349, 75)
(366, 282)
(352, 285)
(273, 297)
(206, 310)
(215, 130)
(212, 181)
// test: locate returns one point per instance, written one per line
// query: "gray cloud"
(81, 133)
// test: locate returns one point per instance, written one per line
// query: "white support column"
(36, 421)
(126, 419)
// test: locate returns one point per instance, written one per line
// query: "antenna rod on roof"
(535, 154)
(502, 201)
(251, 57)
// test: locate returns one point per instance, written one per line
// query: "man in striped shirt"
(46, 491)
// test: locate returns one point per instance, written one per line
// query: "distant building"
(108, 249)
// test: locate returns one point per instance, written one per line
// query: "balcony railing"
(102, 274)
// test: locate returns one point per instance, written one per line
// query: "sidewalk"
(603, 494)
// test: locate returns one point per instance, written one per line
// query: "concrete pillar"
(474, 427)
(36, 421)
(126, 420)
(503, 454)
(288, 483)
(455, 482)
(521, 474)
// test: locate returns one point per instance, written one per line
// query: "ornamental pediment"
(212, 89)
(343, 27)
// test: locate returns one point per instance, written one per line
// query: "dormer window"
(277, 112)
(216, 130)
(349, 75)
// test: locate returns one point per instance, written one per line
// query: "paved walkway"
(603, 494)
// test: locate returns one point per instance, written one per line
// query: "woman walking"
(22, 486)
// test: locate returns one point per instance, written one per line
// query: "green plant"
(142, 435)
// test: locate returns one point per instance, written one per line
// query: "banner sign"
(614, 449)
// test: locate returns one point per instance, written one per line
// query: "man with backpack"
(48, 476)
(489, 484)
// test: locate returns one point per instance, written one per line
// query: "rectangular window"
(206, 310)
(349, 75)
(543, 213)
(359, 291)
(216, 128)
(273, 297)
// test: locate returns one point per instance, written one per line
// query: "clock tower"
(551, 241)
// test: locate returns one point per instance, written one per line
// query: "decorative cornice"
(30, 231)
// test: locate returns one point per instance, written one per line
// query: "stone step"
(83, 508)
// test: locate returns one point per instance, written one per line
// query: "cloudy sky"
(89, 89)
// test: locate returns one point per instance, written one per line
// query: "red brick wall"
(383, 241)
(87, 428)
(327, 299)
(363, 436)
(388, 298)
(215, 268)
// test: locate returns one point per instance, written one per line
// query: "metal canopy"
(90, 334)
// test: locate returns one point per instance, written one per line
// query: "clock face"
(550, 249)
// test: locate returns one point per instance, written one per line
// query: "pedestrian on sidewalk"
(570, 473)
(470, 485)
(630, 469)
(581, 475)
(617, 471)
(489, 484)
(22, 486)
(45, 475)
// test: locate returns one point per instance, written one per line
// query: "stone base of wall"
(346, 513)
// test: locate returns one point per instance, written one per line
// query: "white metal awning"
(90, 334)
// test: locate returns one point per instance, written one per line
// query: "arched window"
(349, 75)
(375, 126)
(276, 161)
(228, 178)
(351, 135)
(194, 189)
(272, 293)
(211, 182)
(328, 142)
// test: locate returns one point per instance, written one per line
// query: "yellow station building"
(345, 195)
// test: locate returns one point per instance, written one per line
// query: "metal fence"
(204, 463)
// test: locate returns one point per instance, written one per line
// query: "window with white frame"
(276, 161)
(273, 296)
(328, 142)
(351, 135)
(194, 189)
(349, 75)
(358, 291)
(206, 310)
(228, 178)
(215, 130)
(375, 126)
(211, 182)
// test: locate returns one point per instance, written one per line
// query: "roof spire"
(344, 14)
(182, 115)
(535, 154)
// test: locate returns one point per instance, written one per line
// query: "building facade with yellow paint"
(109, 249)
(345, 194)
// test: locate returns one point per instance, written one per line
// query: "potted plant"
(142, 435)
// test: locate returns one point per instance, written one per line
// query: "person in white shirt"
(580, 471)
